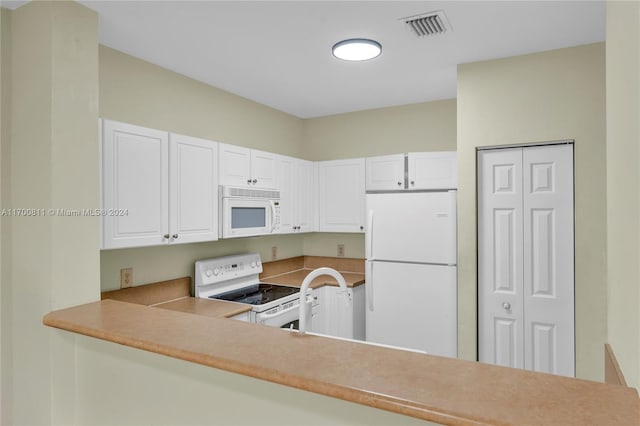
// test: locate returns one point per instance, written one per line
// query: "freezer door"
(412, 227)
(412, 306)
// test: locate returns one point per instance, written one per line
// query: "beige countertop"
(295, 278)
(437, 389)
(206, 307)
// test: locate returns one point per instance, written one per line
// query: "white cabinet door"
(240, 166)
(339, 312)
(193, 189)
(526, 258)
(263, 169)
(288, 197)
(234, 165)
(135, 179)
(296, 182)
(319, 312)
(334, 317)
(306, 187)
(341, 195)
(432, 170)
(385, 173)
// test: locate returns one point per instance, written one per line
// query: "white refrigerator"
(411, 271)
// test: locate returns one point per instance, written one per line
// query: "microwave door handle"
(273, 216)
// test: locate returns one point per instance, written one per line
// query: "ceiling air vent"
(428, 24)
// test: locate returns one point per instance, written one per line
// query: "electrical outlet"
(274, 253)
(340, 250)
(126, 277)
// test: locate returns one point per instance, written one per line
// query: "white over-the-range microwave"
(247, 212)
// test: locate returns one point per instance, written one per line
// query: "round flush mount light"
(357, 49)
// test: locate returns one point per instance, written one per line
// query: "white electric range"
(236, 279)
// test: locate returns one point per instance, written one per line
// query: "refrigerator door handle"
(370, 235)
(369, 284)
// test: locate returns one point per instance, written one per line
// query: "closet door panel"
(500, 316)
(549, 259)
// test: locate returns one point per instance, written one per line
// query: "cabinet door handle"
(413, 183)
(165, 236)
(506, 306)
(249, 181)
(255, 181)
(399, 183)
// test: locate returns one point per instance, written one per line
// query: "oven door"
(284, 317)
(243, 217)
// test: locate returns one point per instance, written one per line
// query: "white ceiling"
(278, 53)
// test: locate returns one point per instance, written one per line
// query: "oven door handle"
(295, 307)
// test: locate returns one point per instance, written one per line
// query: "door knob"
(506, 306)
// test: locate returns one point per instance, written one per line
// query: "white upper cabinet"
(193, 189)
(341, 195)
(240, 166)
(307, 186)
(234, 165)
(424, 170)
(297, 194)
(385, 173)
(286, 177)
(156, 188)
(263, 169)
(432, 170)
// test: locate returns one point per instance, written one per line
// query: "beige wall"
(623, 185)
(135, 91)
(429, 126)
(53, 152)
(5, 223)
(161, 263)
(546, 96)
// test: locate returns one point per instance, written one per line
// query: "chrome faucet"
(305, 285)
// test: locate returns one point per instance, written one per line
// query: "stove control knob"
(216, 272)
(208, 273)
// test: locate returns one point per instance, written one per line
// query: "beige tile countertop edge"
(437, 389)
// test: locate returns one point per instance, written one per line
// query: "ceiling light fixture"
(356, 49)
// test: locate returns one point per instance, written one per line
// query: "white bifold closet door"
(526, 258)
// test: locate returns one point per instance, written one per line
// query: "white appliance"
(236, 279)
(411, 270)
(247, 212)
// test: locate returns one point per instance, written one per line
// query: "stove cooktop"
(257, 294)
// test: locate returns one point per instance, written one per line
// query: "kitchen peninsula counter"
(437, 389)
